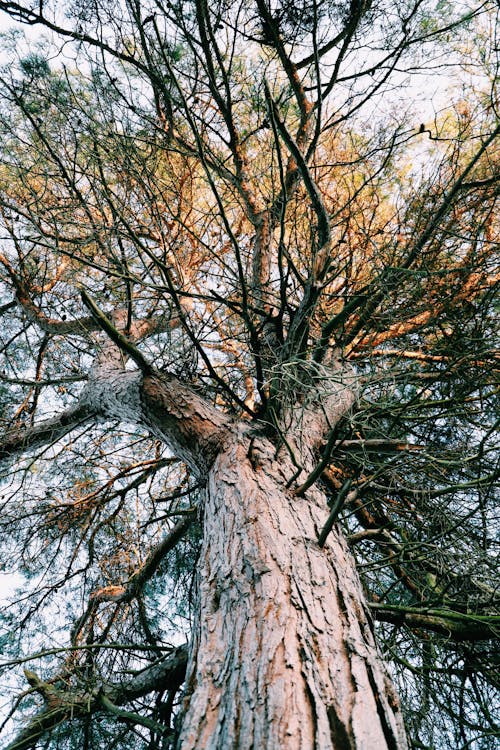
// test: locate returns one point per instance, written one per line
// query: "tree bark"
(284, 654)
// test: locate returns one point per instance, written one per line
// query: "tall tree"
(248, 377)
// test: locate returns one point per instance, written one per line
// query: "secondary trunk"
(284, 654)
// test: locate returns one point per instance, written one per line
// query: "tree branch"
(459, 626)
(116, 337)
(37, 316)
(60, 706)
(135, 584)
(16, 441)
(324, 230)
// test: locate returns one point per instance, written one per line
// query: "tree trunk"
(284, 654)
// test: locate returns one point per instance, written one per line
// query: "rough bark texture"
(284, 654)
(191, 427)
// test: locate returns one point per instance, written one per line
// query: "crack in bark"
(314, 718)
(390, 737)
(340, 735)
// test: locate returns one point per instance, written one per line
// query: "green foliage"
(35, 67)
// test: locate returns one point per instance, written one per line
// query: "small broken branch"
(336, 508)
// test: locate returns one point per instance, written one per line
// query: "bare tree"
(248, 375)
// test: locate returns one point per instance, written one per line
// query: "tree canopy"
(249, 201)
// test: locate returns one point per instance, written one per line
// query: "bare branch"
(20, 439)
(118, 338)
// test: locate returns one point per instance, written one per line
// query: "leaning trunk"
(283, 654)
